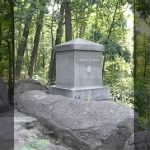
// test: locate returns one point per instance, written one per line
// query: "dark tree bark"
(68, 25)
(52, 34)
(0, 33)
(39, 24)
(60, 26)
(23, 43)
(59, 33)
(11, 47)
(43, 60)
(145, 57)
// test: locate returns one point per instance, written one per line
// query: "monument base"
(84, 93)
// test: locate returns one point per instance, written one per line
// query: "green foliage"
(100, 21)
(141, 103)
(142, 7)
(141, 60)
(118, 76)
(38, 144)
(122, 91)
(34, 142)
(113, 49)
(143, 123)
(5, 38)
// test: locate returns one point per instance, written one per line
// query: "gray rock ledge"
(83, 125)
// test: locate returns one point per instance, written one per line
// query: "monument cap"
(79, 44)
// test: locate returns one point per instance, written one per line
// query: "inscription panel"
(88, 68)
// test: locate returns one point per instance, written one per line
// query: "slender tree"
(110, 30)
(68, 24)
(0, 34)
(113, 20)
(11, 47)
(23, 42)
(39, 24)
(59, 34)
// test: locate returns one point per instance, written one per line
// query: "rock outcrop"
(22, 86)
(83, 125)
(30, 133)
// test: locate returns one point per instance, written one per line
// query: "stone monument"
(79, 71)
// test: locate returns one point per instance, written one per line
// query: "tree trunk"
(23, 43)
(0, 34)
(43, 60)
(39, 24)
(68, 25)
(11, 56)
(146, 76)
(82, 29)
(110, 31)
(60, 26)
(112, 24)
(59, 33)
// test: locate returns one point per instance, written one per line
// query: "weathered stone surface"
(4, 102)
(28, 85)
(30, 133)
(84, 125)
(129, 145)
(79, 44)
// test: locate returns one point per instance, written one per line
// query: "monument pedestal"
(86, 93)
(79, 66)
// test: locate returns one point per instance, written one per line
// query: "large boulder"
(22, 86)
(84, 125)
(28, 85)
(29, 132)
(4, 102)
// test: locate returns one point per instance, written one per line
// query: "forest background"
(30, 29)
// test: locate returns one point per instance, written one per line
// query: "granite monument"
(79, 71)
